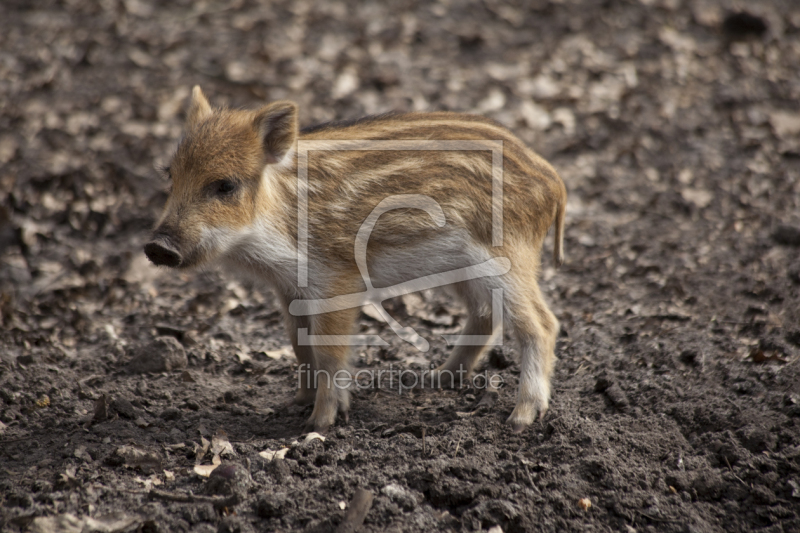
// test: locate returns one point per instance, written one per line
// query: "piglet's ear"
(277, 128)
(199, 108)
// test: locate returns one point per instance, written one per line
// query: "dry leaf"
(271, 455)
(280, 352)
(758, 356)
(243, 354)
(204, 470)
(135, 457)
(101, 408)
(220, 445)
(699, 197)
(81, 453)
(67, 523)
(313, 435)
(150, 482)
(201, 450)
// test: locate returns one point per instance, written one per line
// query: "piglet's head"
(218, 174)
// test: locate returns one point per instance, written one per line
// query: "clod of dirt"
(452, 493)
(101, 408)
(617, 397)
(170, 331)
(787, 235)
(742, 24)
(793, 336)
(691, 357)
(729, 453)
(69, 523)
(602, 384)
(498, 359)
(124, 408)
(278, 470)
(135, 457)
(162, 354)
(613, 392)
(272, 505)
(488, 400)
(26, 359)
(494, 512)
(228, 479)
(171, 413)
(234, 524)
(19, 499)
(400, 496)
(679, 480)
(795, 488)
(757, 439)
(763, 495)
(709, 485)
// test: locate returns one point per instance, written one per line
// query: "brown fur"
(254, 228)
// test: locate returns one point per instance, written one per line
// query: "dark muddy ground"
(677, 401)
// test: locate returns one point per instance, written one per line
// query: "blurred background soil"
(675, 125)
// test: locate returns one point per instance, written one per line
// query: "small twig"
(664, 332)
(655, 519)
(178, 497)
(738, 409)
(424, 447)
(174, 497)
(15, 440)
(530, 479)
(732, 472)
(458, 444)
(359, 507)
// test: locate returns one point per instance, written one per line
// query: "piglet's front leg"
(331, 367)
(306, 392)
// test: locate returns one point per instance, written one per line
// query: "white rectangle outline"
(304, 147)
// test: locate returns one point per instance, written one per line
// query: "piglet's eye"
(225, 187)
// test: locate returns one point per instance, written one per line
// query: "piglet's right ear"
(199, 108)
(277, 128)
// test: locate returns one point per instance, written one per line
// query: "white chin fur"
(258, 252)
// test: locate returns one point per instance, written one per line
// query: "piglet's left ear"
(277, 127)
(199, 108)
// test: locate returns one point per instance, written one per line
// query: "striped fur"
(252, 228)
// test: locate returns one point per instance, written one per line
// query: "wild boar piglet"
(349, 213)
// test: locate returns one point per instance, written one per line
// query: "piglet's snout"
(162, 252)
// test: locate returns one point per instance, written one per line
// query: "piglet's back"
(347, 179)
